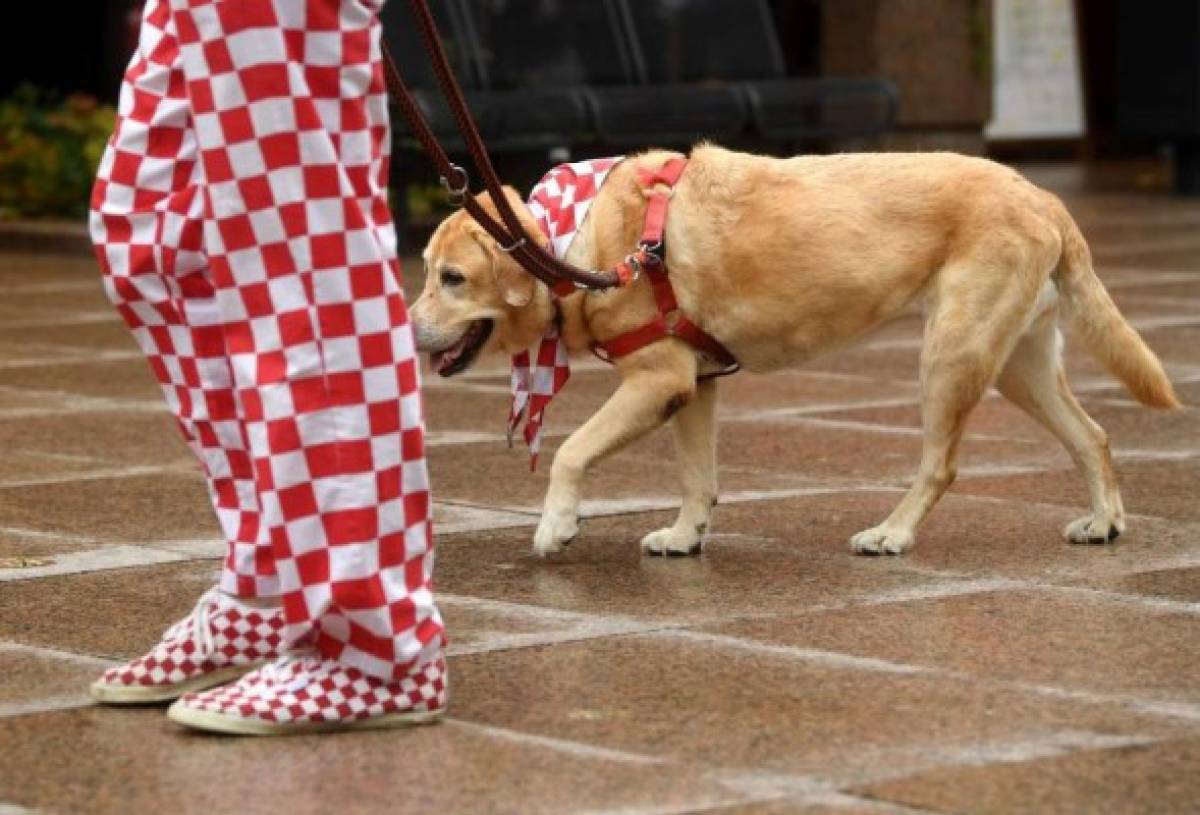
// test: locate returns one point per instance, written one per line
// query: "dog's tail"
(1111, 339)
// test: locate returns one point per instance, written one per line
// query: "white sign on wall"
(1036, 77)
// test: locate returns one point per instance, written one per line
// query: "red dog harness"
(650, 258)
(560, 203)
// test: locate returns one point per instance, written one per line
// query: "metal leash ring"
(456, 195)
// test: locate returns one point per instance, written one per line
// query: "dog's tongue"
(440, 361)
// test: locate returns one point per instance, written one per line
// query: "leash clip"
(635, 265)
(456, 195)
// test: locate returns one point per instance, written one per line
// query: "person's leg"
(147, 226)
(290, 113)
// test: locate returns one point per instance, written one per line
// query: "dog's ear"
(515, 284)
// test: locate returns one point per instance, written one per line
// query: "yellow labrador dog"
(784, 259)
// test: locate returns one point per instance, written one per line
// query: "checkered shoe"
(307, 693)
(216, 643)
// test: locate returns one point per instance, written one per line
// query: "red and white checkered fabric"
(219, 633)
(561, 200)
(302, 689)
(533, 386)
(241, 222)
(559, 203)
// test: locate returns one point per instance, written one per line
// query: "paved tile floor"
(993, 669)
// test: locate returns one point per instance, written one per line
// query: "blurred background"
(1109, 90)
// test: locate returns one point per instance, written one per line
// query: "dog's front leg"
(696, 447)
(655, 383)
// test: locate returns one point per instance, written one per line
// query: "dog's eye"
(452, 278)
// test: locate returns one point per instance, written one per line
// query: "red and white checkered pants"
(240, 218)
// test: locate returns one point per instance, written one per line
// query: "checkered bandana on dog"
(559, 203)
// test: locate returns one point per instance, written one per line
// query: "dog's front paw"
(554, 532)
(672, 543)
(881, 541)
(1092, 529)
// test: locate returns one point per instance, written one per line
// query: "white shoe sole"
(117, 694)
(243, 726)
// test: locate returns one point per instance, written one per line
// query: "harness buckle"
(651, 250)
(456, 195)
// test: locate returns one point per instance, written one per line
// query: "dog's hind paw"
(881, 541)
(1093, 530)
(553, 533)
(670, 543)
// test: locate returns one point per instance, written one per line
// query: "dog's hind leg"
(656, 383)
(977, 316)
(695, 428)
(1034, 380)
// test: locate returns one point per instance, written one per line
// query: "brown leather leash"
(563, 278)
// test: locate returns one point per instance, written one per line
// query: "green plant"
(49, 151)
(427, 203)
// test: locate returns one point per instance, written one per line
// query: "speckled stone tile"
(1158, 778)
(1133, 427)
(1129, 426)
(126, 378)
(125, 761)
(970, 534)
(1189, 393)
(66, 299)
(799, 712)
(102, 335)
(1168, 584)
(27, 678)
(1160, 298)
(1164, 489)
(139, 509)
(1176, 344)
(1151, 257)
(1071, 640)
(116, 613)
(26, 269)
(763, 557)
(837, 804)
(21, 466)
(1005, 534)
(121, 613)
(31, 547)
(18, 403)
(118, 436)
(801, 541)
(23, 353)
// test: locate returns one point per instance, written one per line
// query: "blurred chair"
(553, 79)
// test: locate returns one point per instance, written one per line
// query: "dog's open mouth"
(458, 357)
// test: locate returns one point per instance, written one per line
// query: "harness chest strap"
(651, 259)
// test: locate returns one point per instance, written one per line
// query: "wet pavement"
(993, 669)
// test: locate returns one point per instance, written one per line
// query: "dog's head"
(476, 297)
